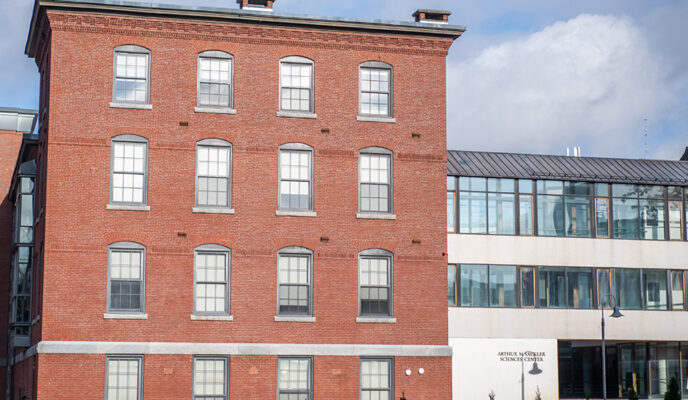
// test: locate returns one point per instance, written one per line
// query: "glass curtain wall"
(487, 206)
(564, 208)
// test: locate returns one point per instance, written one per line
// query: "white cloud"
(589, 81)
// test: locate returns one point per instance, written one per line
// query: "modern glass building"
(539, 248)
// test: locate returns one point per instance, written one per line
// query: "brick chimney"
(256, 5)
(432, 16)
(684, 157)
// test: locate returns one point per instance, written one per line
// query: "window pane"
(123, 379)
(525, 186)
(603, 288)
(500, 185)
(503, 286)
(652, 219)
(578, 216)
(501, 213)
(602, 189)
(627, 287)
(527, 287)
(294, 378)
(622, 190)
(602, 217)
(675, 220)
(451, 183)
(625, 218)
(451, 217)
(451, 284)
(677, 296)
(376, 379)
(550, 215)
(210, 378)
(580, 286)
(552, 287)
(550, 187)
(525, 214)
(655, 289)
(473, 285)
(473, 212)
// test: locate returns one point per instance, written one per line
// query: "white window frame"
(137, 50)
(218, 55)
(299, 147)
(127, 247)
(362, 360)
(214, 249)
(225, 360)
(378, 65)
(310, 374)
(304, 61)
(217, 143)
(378, 151)
(127, 357)
(296, 251)
(378, 254)
(129, 139)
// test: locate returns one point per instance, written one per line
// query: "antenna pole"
(646, 138)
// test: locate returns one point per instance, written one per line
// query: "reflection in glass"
(579, 287)
(503, 286)
(602, 212)
(451, 284)
(677, 296)
(652, 219)
(603, 288)
(501, 215)
(625, 218)
(550, 215)
(675, 220)
(525, 207)
(473, 212)
(552, 287)
(655, 289)
(451, 218)
(474, 285)
(627, 284)
(527, 287)
(578, 216)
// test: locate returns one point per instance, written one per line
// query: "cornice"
(245, 33)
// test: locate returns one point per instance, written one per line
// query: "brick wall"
(78, 228)
(9, 149)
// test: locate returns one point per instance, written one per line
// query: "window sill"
(367, 118)
(123, 207)
(296, 114)
(375, 216)
(215, 110)
(284, 213)
(281, 318)
(124, 316)
(208, 210)
(136, 106)
(376, 320)
(212, 318)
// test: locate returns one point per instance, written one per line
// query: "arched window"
(375, 283)
(375, 180)
(215, 80)
(131, 75)
(296, 84)
(128, 170)
(295, 277)
(295, 177)
(214, 174)
(126, 278)
(211, 280)
(375, 89)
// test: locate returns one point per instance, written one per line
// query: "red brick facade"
(77, 228)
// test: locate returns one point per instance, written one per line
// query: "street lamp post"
(615, 314)
(533, 371)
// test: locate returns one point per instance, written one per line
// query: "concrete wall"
(480, 368)
(570, 252)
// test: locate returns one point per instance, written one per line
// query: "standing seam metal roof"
(594, 169)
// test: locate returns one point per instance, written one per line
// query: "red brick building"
(237, 203)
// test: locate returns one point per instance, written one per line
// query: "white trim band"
(253, 349)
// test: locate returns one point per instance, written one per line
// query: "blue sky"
(527, 76)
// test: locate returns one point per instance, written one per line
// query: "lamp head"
(616, 313)
(535, 370)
